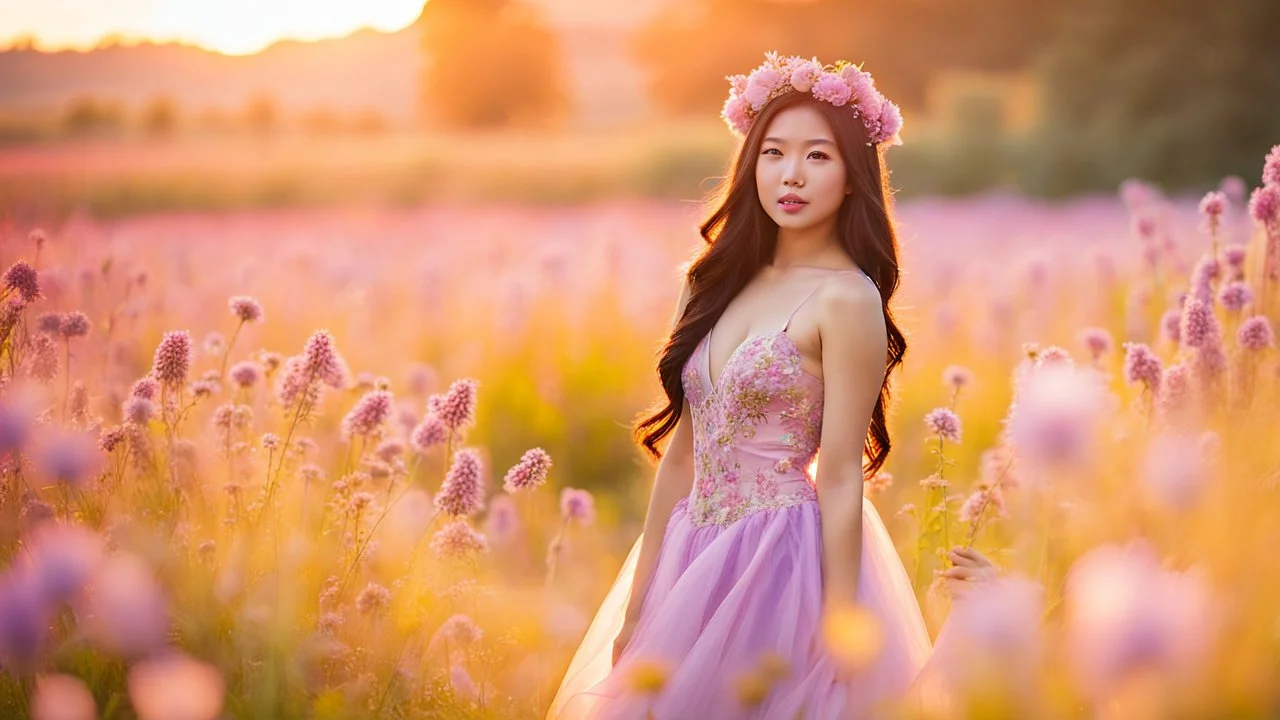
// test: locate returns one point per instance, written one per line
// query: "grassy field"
(307, 518)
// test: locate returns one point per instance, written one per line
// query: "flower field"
(363, 463)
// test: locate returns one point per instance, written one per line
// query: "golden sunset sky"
(233, 27)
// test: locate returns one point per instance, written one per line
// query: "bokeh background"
(504, 191)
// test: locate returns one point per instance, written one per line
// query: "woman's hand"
(970, 567)
(624, 637)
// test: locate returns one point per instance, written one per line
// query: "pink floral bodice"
(755, 430)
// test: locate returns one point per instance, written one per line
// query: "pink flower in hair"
(890, 124)
(832, 88)
(738, 83)
(765, 77)
(805, 74)
(756, 95)
(872, 107)
(736, 113)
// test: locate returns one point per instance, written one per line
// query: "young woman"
(783, 342)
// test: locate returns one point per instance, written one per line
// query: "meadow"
(374, 461)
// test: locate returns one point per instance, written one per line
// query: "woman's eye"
(820, 155)
(772, 150)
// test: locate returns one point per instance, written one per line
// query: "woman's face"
(800, 176)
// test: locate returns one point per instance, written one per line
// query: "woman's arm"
(854, 347)
(674, 480)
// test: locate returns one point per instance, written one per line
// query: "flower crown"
(841, 84)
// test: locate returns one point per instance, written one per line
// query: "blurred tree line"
(163, 116)
(490, 63)
(1176, 91)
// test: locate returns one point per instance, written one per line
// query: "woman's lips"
(792, 206)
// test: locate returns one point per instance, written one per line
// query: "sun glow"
(233, 27)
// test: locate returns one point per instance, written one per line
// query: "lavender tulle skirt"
(723, 597)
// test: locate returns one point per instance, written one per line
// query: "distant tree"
(1168, 90)
(489, 63)
(261, 116)
(85, 115)
(160, 117)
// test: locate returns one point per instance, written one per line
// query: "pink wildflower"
(462, 493)
(1235, 296)
(529, 473)
(1097, 340)
(74, 324)
(1271, 167)
(458, 540)
(1255, 334)
(1142, 366)
(577, 505)
(172, 362)
(368, 416)
(428, 433)
(944, 423)
(246, 308)
(457, 408)
(24, 279)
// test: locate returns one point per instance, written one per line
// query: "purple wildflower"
(368, 416)
(1199, 325)
(24, 279)
(63, 556)
(1142, 366)
(1212, 205)
(24, 622)
(1097, 340)
(1235, 296)
(577, 506)
(1055, 413)
(462, 493)
(138, 410)
(944, 423)
(457, 408)
(428, 433)
(112, 439)
(1271, 167)
(529, 473)
(246, 308)
(1255, 334)
(389, 450)
(458, 540)
(172, 361)
(145, 387)
(245, 374)
(50, 322)
(501, 522)
(1264, 204)
(321, 360)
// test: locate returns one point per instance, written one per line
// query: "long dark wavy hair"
(741, 238)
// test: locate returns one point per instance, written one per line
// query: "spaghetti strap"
(809, 294)
(803, 300)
